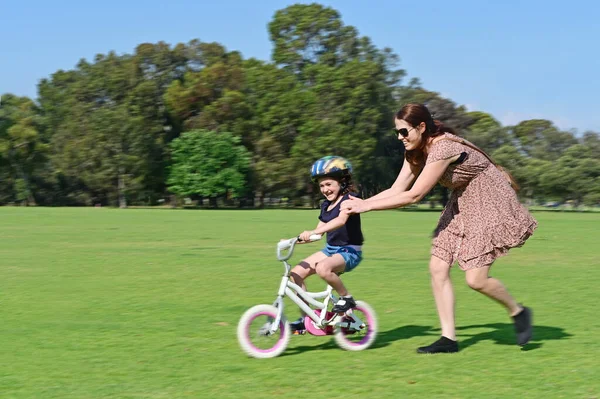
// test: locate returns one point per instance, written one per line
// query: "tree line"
(198, 121)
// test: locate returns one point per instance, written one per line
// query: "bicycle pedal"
(299, 332)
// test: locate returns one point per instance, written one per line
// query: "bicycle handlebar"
(289, 245)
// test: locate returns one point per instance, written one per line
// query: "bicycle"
(351, 332)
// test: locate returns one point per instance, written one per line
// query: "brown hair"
(414, 115)
(347, 185)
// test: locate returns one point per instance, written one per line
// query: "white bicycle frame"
(299, 296)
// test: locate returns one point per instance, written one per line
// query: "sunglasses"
(403, 132)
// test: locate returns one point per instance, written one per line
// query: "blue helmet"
(331, 166)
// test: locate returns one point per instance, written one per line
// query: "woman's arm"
(407, 175)
(428, 178)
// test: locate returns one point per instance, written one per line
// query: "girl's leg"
(327, 269)
(479, 280)
(444, 295)
(306, 268)
(298, 274)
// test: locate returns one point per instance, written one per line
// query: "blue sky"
(514, 59)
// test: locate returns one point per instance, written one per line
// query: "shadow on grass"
(384, 338)
(328, 343)
(499, 333)
(504, 334)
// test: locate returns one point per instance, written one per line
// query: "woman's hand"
(354, 205)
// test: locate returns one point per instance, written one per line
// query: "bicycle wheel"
(360, 337)
(254, 333)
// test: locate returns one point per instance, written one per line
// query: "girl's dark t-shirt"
(348, 234)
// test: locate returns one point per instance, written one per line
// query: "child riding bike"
(343, 251)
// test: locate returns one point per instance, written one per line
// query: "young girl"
(343, 251)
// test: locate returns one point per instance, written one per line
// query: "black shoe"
(298, 325)
(344, 304)
(442, 345)
(524, 325)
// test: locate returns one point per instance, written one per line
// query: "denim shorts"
(351, 256)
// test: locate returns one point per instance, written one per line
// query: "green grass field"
(108, 303)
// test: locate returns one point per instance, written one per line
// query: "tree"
(530, 178)
(209, 164)
(125, 91)
(574, 176)
(581, 173)
(486, 132)
(539, 138)
(280, 107)
(591, 140)
(22, 149)
(209, 95)
(306, 34)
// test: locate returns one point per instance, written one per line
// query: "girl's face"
(330, 188)
(410, 136)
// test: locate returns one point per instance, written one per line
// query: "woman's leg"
(479, 280)
(444, 301)
(444, 295)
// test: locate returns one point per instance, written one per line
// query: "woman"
(482, 220)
